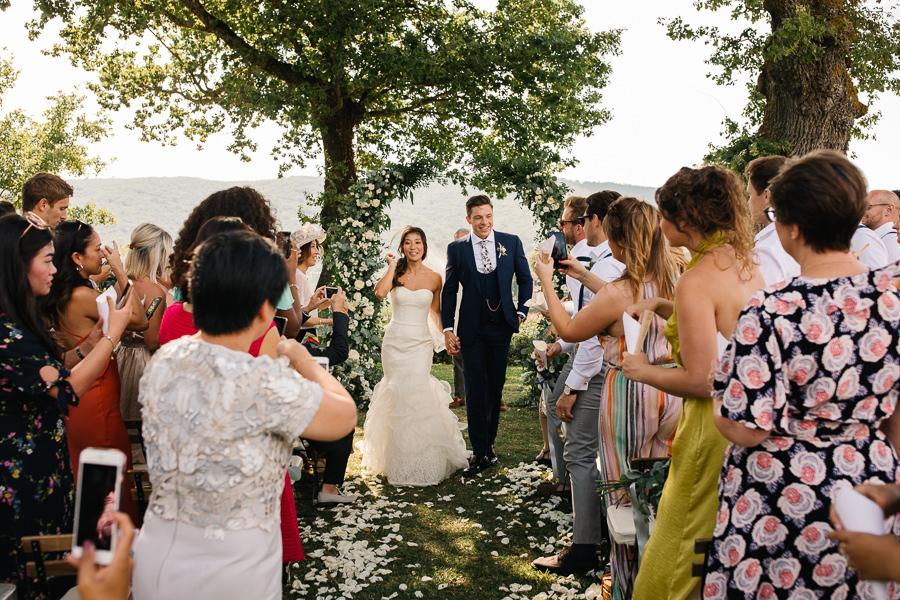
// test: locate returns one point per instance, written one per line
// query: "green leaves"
(867, 32)
(57, 143)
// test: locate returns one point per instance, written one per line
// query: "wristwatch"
(569, 391)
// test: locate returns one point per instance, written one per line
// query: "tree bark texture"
(810, 105)
(338, 131)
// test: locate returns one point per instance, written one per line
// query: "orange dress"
(97, 423)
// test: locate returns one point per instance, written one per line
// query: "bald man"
(880, 217)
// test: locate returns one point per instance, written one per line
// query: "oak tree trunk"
(338, 131)
(811, 105)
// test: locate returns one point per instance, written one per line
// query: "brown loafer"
(503, 406)
(457, 402)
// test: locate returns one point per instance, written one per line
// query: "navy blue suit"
(487, 320)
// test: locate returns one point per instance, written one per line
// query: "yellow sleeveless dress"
(687, 508)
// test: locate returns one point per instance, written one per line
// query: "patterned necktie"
(485, 258)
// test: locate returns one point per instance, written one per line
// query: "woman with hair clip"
(36, 392)
(411, 435)
(636, 420)
(146, 265)
(704, 211)
(72, 303)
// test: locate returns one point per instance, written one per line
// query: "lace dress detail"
(411, 435)
(218, 426)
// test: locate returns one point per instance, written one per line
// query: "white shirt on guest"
(580, 249)
(305, 292)
(888, 236)
(589, 359)
(491, 250)
(875, 255)
(774, 262)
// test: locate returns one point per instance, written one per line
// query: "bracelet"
(295, 286)
(111, 342)
(78, 352)
(296, 365)
(583, 276)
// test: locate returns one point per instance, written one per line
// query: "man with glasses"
(775, 264)
(880, 217)
(570, 225)
(47, 196)
(577, 408)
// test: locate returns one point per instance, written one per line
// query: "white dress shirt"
(491, 250)
(874, 256)
(774, 262)
(574, 286)
(888, 236)
(589, 359)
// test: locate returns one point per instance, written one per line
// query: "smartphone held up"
(97, 497)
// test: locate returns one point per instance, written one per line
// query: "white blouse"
(218, 428)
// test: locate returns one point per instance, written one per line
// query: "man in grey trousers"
(578, 407)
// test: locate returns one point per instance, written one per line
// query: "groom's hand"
(452, 343)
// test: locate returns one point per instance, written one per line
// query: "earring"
(78, 268)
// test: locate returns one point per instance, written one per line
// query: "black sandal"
(543, 458)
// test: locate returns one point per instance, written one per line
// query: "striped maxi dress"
(636, 421)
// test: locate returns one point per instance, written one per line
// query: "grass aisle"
(455, 540)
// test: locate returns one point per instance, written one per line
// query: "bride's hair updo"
(402, 262)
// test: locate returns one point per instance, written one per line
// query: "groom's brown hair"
(479, 200)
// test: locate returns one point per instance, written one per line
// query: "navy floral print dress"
(815, 362)
(36, 483)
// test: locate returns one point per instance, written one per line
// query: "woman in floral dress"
(805, 393)
(36, 390)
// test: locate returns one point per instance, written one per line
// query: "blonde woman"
(636, 420)
(146, 265)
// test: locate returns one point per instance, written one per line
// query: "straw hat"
(308, 233)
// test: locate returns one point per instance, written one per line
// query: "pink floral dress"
(816, 363)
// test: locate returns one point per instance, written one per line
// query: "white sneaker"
(334, 499)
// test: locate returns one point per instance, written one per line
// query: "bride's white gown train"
(411, 435)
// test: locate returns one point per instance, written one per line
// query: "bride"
(410, 434)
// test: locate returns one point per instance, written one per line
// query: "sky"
(665, 110)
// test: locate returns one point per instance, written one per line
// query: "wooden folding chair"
(141, 491)
(310, 457)
(42, 569)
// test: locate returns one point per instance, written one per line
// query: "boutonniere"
(501, 251)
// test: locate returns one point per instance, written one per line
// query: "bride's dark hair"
(402, 263)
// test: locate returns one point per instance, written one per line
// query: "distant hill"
(167, 201)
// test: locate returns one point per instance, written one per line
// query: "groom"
(484, 262)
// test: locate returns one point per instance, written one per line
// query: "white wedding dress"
(411, 435)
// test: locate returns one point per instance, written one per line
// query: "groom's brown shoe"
(457, 402)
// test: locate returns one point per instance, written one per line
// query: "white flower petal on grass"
(411, 544)
(426, 578)
(419, 594)
(403, 586)
(504, 541)
(495, 553)
(441, 586)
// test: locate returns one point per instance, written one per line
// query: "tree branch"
(217, 27)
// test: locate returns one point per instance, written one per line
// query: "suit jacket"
(461, 269)
(339, 347)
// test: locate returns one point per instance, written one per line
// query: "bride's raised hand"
(391, 261)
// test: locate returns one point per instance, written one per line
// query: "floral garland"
(355, 256)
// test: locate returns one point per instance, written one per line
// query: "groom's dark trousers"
(484, 356)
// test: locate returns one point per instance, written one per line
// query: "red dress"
(176, 323)
(97, 423)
